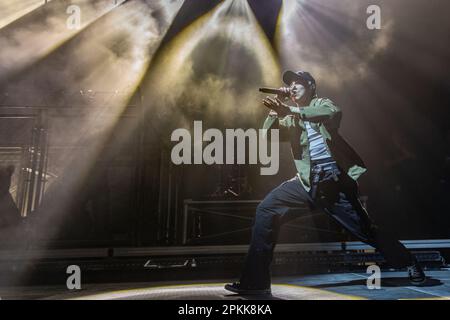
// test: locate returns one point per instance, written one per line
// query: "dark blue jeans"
(337, 195)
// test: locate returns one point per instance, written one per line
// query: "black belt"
(317, 173)
(321, 161)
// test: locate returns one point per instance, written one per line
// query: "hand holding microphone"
(276, 105)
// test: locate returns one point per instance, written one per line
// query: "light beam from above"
(13, 10)
(112, 53)
(43, 32)
(231, 27)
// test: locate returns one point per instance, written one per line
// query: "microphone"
(286, 92)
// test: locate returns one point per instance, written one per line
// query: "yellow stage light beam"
(200, 63)
(13, 10)
(110, 55)
(43, 31)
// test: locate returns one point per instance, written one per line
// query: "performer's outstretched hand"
(277, 105)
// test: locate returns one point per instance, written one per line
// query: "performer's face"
(298, 92)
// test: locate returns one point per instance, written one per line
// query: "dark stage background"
(86, 116)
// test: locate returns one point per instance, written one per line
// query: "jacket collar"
(311, 104)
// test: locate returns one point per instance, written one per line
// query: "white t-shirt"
(317, 147)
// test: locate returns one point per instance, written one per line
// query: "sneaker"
(416, 274)
(238, 288)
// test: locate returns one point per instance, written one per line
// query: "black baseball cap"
(305, 78)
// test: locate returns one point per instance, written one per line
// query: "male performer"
(327, 170)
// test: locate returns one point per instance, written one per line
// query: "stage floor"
(342, 286)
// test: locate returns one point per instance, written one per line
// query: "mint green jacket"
(325, 116)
